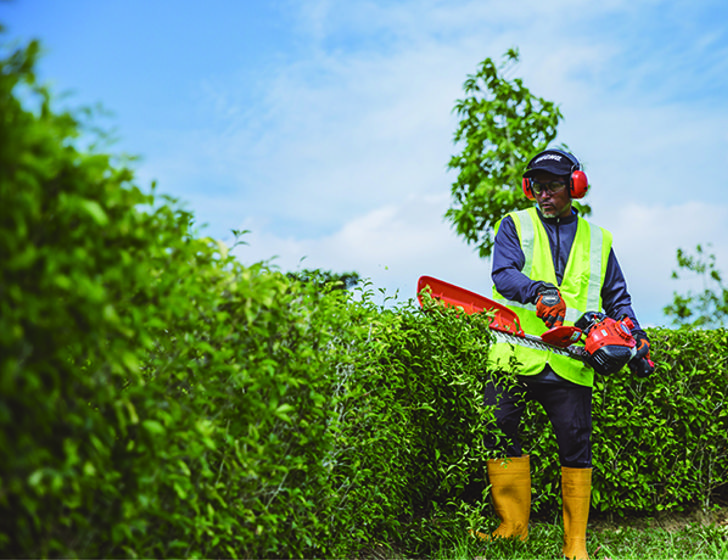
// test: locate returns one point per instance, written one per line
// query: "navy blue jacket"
(511, 283)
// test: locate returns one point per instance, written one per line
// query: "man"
(551, 266)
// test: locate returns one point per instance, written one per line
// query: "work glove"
(550, 306)
(641, 365)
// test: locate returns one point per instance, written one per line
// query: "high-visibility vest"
(581, 289)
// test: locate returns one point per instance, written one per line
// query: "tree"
(502, 124)
(708, 308)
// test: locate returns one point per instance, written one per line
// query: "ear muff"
(579, 184)
(527, 190)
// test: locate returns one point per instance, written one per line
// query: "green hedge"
(662, 442)
(159, 399)
(659, 443)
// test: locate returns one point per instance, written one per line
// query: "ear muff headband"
(578, 183)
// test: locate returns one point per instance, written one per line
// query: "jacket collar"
(560, 221)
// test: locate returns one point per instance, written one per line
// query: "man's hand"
(641, 365)
(550, 306)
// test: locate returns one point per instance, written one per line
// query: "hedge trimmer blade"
(530, 341)
(505, 324)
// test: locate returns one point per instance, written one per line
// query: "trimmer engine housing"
(609, 344)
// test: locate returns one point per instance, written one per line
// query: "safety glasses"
(553, 187)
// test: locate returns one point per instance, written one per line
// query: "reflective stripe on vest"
(581, 289)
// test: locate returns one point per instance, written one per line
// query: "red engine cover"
(610, 333)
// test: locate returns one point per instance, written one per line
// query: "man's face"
(552, 194)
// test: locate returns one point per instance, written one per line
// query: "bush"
(659, 443)
(662, 443)
(156, 398)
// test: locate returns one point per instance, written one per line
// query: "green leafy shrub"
(659, 443)
(435, 363)
(156, 397)
(662, 442)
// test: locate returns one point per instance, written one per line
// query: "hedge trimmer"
(608, 344)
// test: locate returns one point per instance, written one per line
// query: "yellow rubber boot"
(576, 492)
(510, 487)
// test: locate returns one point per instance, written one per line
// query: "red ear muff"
(527, 190)
(579, 184)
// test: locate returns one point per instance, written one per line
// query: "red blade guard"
(503, 320)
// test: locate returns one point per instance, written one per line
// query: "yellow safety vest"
(581, 289)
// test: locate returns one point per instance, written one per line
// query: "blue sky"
(325, 127)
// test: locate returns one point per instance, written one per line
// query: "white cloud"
(646, 239)
(392, 246)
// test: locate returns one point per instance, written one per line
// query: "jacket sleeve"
(616, 299)
(508, 261)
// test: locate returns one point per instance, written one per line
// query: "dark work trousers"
(567, 405)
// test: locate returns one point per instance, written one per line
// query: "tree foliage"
(707, 308)
(502, 125)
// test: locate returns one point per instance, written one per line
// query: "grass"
(690, 535)
(692, 541)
